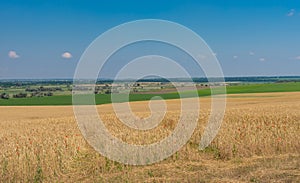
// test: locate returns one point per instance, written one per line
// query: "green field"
(106, 98)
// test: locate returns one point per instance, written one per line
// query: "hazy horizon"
(271, 76)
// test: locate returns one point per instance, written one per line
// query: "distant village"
(47, 88)
(20, 91)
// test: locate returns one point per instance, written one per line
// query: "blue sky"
(45, 39)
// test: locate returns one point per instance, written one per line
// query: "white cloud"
(262, 59)
(251, 53)
(235, 57)
(66, 55)
(291, 13)
(13, 54)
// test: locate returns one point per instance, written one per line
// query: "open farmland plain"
(258, 142)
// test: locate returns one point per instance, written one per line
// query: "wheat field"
(258, 142)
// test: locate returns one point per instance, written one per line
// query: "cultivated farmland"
(259, 142)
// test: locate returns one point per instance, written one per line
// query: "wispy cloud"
(291, 13)
(296, 58)
(13, 54)
(235, 57)
(262, 59)
(66, 55)
(251, 53)
(202, 57)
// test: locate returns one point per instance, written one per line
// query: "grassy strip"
(104, 98)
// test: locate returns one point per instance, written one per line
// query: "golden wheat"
(258, 141)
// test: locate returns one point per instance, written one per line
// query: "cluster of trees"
(39, 94)
(103, 89)
(20, 95)
(30, 89)
(23, 83)
(24, 95)
(43, 89)
(107, 91)
(4, 96)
